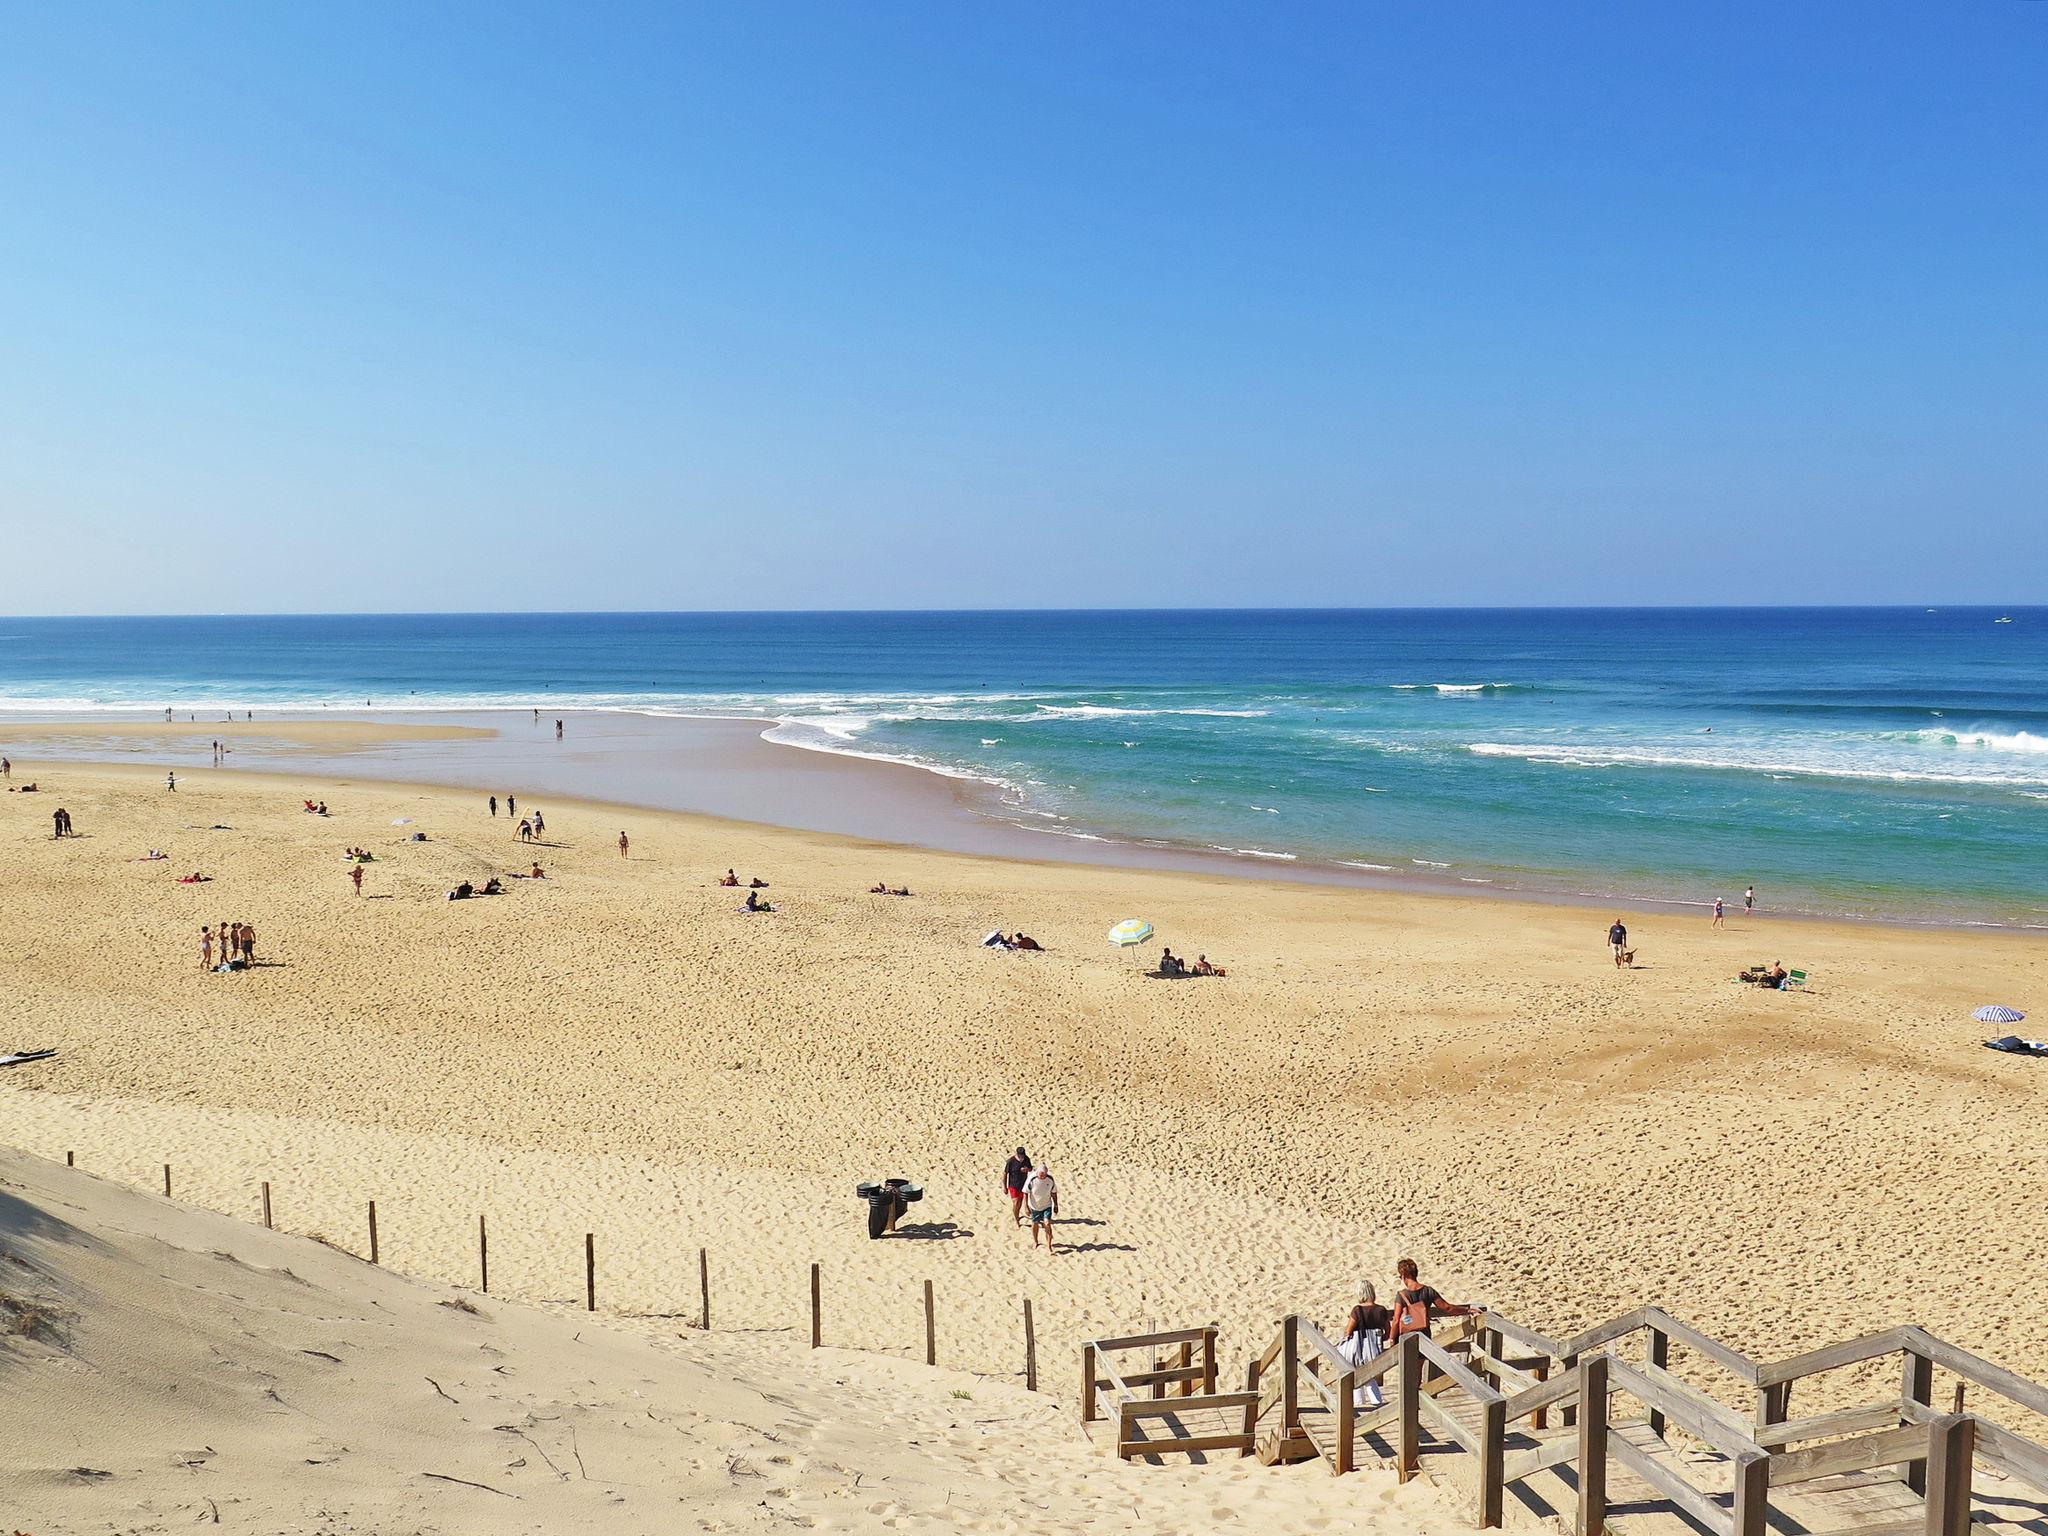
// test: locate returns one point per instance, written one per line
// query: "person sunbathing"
(1204, 968)
(493, 887)
(756, 904)
(730, 879)
(1023, 941)
(195, 878)
(1171, 964)
(757, 884)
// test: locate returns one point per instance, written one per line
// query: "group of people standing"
(231, 948)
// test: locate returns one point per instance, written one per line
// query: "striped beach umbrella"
(1131, 931)
(1991, 1013)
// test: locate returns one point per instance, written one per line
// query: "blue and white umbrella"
(1132, 930)
(1991, 1013)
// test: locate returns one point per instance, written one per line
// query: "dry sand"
(618, 1051)
(163, 1368)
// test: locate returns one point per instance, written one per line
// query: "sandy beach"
(617, 1050)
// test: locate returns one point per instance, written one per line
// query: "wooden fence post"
(1916, 1385)
(1408, 1439)
(1493, 1428)
(1251, 1408)
(704, 1286)
(1951, 1442)
(373, 1232)
(1290, 1388)
(266, 1206)
(1208, 1361)
(1592, 1445)
(1030, 1350)
(1660, 1356)
(931, 1328)
(1541, 1418)
(1569, 1412)
(1752, 1504)
(70, 1159)
(167, 1181)
(1773, 1403)
(817, 1319)
(590, 1271)
(483, 1254)
(1347, 1421)
(1087, 1383)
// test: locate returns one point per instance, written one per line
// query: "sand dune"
(618, 1051)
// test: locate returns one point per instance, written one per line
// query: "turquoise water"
(1877, 762)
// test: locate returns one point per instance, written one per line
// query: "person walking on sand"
(539, 826)
(623, 846)
(558, 730)
(525, 830)
(248, 944)
(6, 769)
(494, 805)
(1719, 911)
(1015, 1172)
(206, 949)
(355, 876)
(1617, 940)
(1415, 1304)
(1749, 902)
(1365, 1338)
(171, 782)
(511, 806)
(1041, 1203)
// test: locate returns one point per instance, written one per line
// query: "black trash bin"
(887, 1200)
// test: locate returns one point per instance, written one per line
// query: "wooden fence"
(1490, 1387)
(1127, 1399)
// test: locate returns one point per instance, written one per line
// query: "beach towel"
(2013, 1045)
(19, 1057)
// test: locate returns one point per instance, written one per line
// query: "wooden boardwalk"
(1579, 1432)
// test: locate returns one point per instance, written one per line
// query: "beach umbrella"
(1130, 933)
(1991, 1013)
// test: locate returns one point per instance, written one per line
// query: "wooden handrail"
(2030, 1395)
(1456, 1369)
(1141, 1340)
(1731, 1360)
(1834, 1357)
(1706, 1422)
(1887, 1448)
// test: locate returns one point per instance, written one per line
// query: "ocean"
(1886, 763)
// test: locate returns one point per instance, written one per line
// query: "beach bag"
(1411, 1314)
(1362, 1348)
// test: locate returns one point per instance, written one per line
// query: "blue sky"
(938, 305)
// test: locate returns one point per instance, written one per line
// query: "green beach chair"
(1795, 981)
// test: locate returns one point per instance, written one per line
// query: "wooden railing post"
(1570, 1415)
(1087, 1383)
(1592, 1445)
(1347, 1421)
(1951, 1442)
(1408, 1439)
(1493, 1428)
(1751, 1507)
(1659, 1356)
(1251, 1409)
(1290, 1364)
(1208, 1361)
(1773, 1403)
(1916, 1385)
(1541, 1418)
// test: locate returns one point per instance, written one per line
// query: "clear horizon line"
(579, 613)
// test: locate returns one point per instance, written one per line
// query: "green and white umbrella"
(1129, 933)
